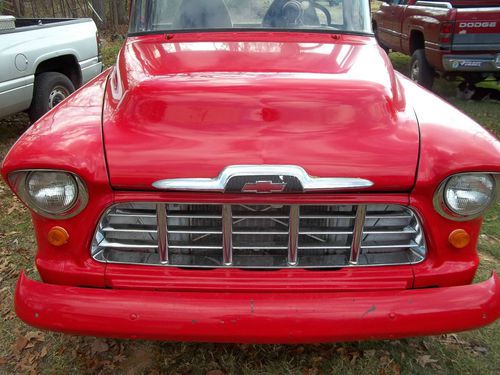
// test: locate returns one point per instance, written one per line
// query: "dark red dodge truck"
(459, 38)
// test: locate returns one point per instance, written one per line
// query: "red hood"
(189, 107)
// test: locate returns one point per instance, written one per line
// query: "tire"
(420, 70)
(51, 88)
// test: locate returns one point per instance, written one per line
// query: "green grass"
(110, 50)
(474, 352)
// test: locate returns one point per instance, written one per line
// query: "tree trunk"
(100, 8)
(53, 8)
(114, 14)
(72, 9)
(123, 12)
(19, 9)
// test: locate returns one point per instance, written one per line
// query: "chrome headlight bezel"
(19, 182)
(443, 208)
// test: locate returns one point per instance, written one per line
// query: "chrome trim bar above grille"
(290, 178)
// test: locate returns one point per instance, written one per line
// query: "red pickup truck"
(459, 38)
(255, 174)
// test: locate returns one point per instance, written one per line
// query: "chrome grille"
(259, 236)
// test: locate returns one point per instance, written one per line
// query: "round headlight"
(52, 192)
(465, 196)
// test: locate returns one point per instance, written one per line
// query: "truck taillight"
(446, 32)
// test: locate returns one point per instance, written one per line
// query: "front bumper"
(488, 63)
(257, 317)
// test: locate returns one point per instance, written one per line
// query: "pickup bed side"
(39, 56)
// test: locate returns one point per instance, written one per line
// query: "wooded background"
(108, 14)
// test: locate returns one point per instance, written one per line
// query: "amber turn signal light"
(459, 238)
(58, 236)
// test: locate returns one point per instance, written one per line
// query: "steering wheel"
(293, 13)
(325, 11)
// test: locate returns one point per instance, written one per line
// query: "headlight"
(53, 194)
(465, 196)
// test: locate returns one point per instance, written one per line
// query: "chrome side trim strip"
(357, 234)
(434, 4)
(293, 235)
(478, 10)
(161, 222)
(220, 183)
(227, 235)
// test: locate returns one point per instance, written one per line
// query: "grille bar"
(357, 235)
(227, 237)
(127, 246)
(293, 237)
(161, 219)
(259, 236)
(188, 230)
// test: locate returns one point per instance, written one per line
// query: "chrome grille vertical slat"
(293, 235)
(357, 234)
(227, 235)
(161, 219)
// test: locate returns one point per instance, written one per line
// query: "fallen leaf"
(119, 358)
(44, 352)
(317, 360)
(3, 361)
(426, 345)
(425, 360)
(216, 372)
(396, 369)
(481, 349)
(99, 346)
(369, 353)
(355, 356)
(385, 360)
(452, 339)
(19, 344)
(35, 335)
(310, 371)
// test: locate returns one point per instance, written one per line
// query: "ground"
(26, 350)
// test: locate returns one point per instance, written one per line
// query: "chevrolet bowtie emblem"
(263, 187)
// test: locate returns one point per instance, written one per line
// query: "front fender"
(68, 138)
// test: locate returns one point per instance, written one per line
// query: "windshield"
(197, 15)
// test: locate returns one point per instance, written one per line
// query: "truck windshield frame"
(182, 16)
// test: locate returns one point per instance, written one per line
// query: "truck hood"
(187, 107)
